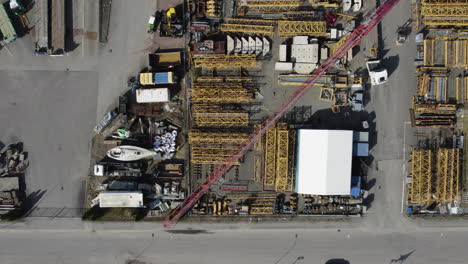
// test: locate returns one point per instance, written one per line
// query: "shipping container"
(156, 95)
(150, 78)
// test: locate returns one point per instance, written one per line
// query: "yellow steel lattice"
(248, 29)
(270, 157)
(282, 161)
(221, 119)
(220, 95)
(421, 171)
(201, 155)
(214, 137)
(337, 45)
(448, 174)
(225, 61)
(272, 5)
(287, 29)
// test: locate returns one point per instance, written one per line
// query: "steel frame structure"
(223, 85)
(354, 38)
(270, 157)
(220, 95)
(214, 137)
(444, 13)
(337, 45)
(213, 8)
(447, 175)
(225, 61)
(288, 29)
(221, 119)
(208, 156)
(210, 79)
(282, 161)
(272, 5)
(248, 29)
(249, 21)
(327, 3)
(292, 161)
(421, 172)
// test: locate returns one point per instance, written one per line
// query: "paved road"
(233, 246)
(391, 102)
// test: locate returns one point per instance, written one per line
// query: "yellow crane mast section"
(225, 61)
(248, 29)
(272, 5)
(249, 21)
(287, 29)
(209, 156)
(337, 45)
(447, 175)
(270, 157)
(221, 119)
(421, 170)
(452, 10)
(220, 95)
(214, 137)
(282, 161)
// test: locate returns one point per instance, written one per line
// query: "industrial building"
(318, 154)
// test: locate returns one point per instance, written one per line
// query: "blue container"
(162, 77)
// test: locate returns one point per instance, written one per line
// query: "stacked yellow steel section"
(225, 61)
(448, 174)
(444, 12)
(270, 157)
(421, 171)
(288, 29)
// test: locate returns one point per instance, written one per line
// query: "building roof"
(121, 199)
(324, 160)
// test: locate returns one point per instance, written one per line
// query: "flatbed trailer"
(57, 34)
(6, 28)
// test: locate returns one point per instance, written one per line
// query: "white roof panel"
(121, 199)
(305, 53)
(156, 95)
(324, 162)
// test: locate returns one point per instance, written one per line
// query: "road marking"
(404, 167)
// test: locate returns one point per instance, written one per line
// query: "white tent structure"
(323, 165)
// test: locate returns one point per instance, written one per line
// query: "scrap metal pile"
(13, 163)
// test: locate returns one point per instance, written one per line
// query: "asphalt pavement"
(53, 111)
(275, 246)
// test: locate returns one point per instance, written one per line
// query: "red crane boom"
(353, 39)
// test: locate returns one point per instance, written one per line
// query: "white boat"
(357, 5)
(129, 153)
(347, 5)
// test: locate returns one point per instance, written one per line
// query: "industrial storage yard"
(214, 131)
(215, 120)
